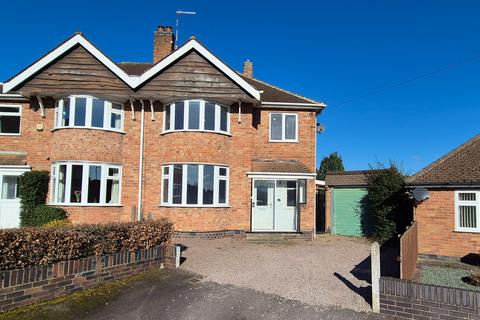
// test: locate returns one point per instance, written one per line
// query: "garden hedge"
(20, 248)
(33, 189)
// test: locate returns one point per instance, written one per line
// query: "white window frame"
(475, 203)
(108, 110)
(169, 202)
(85, 173)
(201, 126)
(284, 129)
(16, 114)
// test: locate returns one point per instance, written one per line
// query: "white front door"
(9, 200)
(274, 205)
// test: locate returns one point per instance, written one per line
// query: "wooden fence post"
(375, 261)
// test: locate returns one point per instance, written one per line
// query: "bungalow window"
(283, 127)
(88, 112)
(467, 209)
(196, 115)
(77, 183)
(196, 185)
(10, 119)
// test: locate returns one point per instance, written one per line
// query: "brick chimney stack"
(248, 68)
(163, 41)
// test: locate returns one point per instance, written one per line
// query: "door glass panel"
(291, 198)
(76, 188)
(192, 184)
(194, 115)
(10, 187)
(262, 195)
(80, 110)
(94, 178)
(208, 184)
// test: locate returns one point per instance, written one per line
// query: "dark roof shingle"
(461, 166)
(357, 178)
(290, 166)
(13, 158)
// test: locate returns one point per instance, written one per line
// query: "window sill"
(10, 134)
(203, 131)
(466, 231)
(193, 206)
(283, 141)
(85, 205)
(88, 128)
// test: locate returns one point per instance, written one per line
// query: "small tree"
(33, 189)
(386, 206)
(333, 162)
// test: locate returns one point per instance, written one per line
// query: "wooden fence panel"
(409, 252)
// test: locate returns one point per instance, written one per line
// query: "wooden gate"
(409, 252)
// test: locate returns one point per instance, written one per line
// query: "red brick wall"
(248, 140)
(436, 227)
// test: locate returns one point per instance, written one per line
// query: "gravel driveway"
(329, 271)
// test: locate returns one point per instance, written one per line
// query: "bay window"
(197, 185)
(196, 115)
(88, 112)
(467, 210)
(283, 127)
(10, 119)
(85, 183)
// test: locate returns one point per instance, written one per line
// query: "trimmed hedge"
(32, 190)
(20, 248)
(43, 214)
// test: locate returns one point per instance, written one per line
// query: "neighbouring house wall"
(436, 227)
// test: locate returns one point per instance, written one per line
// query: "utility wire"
(408, 81)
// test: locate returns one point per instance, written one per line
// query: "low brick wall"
(26, 286)
(410, 300)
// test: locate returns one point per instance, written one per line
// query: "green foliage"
(58, 223)
(33, 189)
(386, 206)
(333, 162)
(21, 248)
(43, 214)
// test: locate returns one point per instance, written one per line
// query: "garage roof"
(348, 178)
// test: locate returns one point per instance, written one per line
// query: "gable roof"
(460, 166)
(133, 81)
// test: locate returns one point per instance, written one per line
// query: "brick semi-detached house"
(186, 138)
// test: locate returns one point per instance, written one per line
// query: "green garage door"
(347, 211)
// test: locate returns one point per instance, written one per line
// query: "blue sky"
(333, 51)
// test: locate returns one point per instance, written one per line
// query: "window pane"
(98, 107)
(116, 121)
(177, 184)
(94, 178)
(291, 184)
(291, 197)
(80, 110)
(113, 191)
(9, 124)
(10, 109)
(113, 172)
(62, 175)
(192, 184)
(66, 113)
(9, 187)
(290, 127)
(167, 117)
(468, 216)
(302, 190)
(165, 190)
(467, 196)
(262, 195)
(208, 184)
(223, 118)
(76, 184)
(222, 171)
(222, 191)
(166, 170)
(209, 116)
(179, 109)
(276, 126)
(194, 115)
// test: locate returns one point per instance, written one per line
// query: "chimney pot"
(163, 41)
(248, 68)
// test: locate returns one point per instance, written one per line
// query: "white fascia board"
(193, 44)
(293, 104)
(53, 55)
(281, 175)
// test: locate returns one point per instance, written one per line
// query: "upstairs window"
(10, 119)
(196, 115)
(283, 127)
(195, 185)
(467, 210)
(89, 112)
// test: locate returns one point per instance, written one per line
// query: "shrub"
(44, 214)
(20, 248)
(58, 224)
(33, 188)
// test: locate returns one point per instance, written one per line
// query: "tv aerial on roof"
(179, 13)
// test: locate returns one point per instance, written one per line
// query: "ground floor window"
(195, 185)
(467, 209)
(85, 183)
